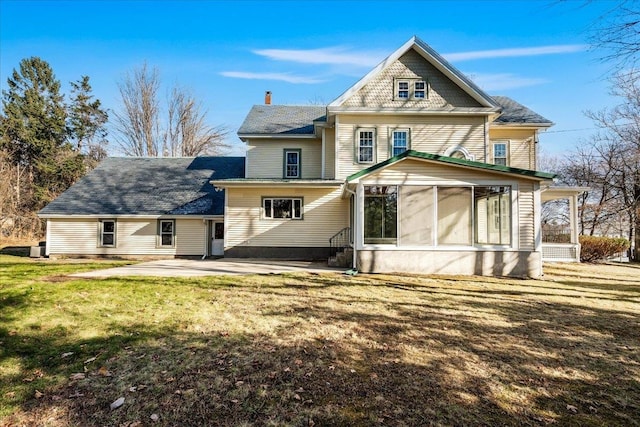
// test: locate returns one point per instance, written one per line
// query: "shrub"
(595, 249)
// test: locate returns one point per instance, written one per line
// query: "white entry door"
(217, 239)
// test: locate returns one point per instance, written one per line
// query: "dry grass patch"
(326, 349)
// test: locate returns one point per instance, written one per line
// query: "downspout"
(355, 213)
(323, 156)
(206, 238)
(486, 132)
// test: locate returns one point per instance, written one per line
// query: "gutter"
(355, 205)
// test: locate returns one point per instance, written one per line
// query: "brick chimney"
(267, 97)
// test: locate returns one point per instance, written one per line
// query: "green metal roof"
(453, 161)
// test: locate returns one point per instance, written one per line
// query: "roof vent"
(267, 97)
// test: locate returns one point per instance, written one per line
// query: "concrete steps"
(342, 259)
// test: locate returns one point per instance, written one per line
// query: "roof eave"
(435, 59)
(486, 167)
(412, 111)
(245, 136)
(523, 125)
(275, 183)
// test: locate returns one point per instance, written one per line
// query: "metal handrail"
(340, 241)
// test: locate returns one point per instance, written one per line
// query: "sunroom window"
(380, 214)
(454, 216)
(493, 215)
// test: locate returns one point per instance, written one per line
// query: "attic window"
(403, 90)
(419, 89)
(410, 88)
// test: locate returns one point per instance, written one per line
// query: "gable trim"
(412, 154)
(435, 59)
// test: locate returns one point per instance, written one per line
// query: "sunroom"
(435, 214)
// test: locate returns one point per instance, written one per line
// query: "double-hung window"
(410, 88)
(420, 89)
(292, 163)
(366, 145)
(166, 232)
(403, 89)
(399, 141)
(500, 153)
(107, 232)
(284, 208)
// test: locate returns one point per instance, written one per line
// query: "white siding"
(429, 134)
(133, 237)
(442, 92)
(521, 146)
(330, 154)
(417, 171)
(526, 216)
(265, 158)
(325, 213)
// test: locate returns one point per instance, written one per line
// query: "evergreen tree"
(35, 138)
(34, 125)
(87, 121)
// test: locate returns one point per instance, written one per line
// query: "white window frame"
(499, 213)
(298, 153)
(494, 144)
(101, 233)
(359, 159)
(162, 233)
(423, 90)
(392, 141)
(268, 211)
(407, 90)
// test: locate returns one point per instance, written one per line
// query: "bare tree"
(142, 128)
(188, 133)
(616, 151)
(616, 33)
(137, 124)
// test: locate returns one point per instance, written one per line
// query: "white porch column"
(573, 209)
(573, 212)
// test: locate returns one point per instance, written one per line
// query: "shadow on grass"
(20, 251)
(346, 351)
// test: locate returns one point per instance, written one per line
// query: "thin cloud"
(504, 81)
(284, 77)
(515, 52)
(329, 55)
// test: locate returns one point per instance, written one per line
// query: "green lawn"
(328, 349)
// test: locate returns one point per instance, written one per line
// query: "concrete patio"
(208, 267)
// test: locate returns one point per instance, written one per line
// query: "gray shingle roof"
(149, 186)
(514, 112)
(298, 119)
(282, 119)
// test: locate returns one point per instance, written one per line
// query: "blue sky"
(230, 53)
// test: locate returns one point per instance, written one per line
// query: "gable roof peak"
(433, 57)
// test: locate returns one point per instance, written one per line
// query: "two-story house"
(412, 169)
